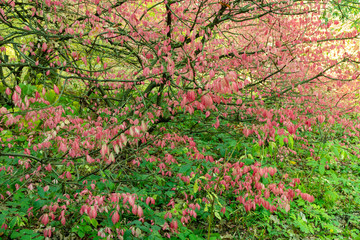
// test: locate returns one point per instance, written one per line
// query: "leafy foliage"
(178, 119)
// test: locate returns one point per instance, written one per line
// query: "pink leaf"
(134, 209)
(321, 118)
(89, 159)
(15, 97)
(92, 213)
(140, 211)
(45, 219)
(44, 47)
(111, 157)
(247, 132)
(331, 120)
(146, 72)
(56, 89)
(207, 114)
(206, 101)
(115, 217)
(212, 73)
(8, 91)
(18, 89)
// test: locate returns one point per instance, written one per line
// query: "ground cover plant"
(179, 119)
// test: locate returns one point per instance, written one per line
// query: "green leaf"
(170, 193)
(94, 222)
(155, 228)
(281, 141)
(38, 238)
(135, 222)
(41, 192)
(2, 219)
(322, 166)
(16, 235)
(291, 142)
(27, 231)
(81, 233)
(13, 222)
(50, 96)
(196, 186)
(215, 236)
(321, 169)
(248, 161)
(21, 139)
(159, 220)
(87, 229)
(39, 204)
(193, 237)
(182, 236)
(185, 168)
(128, 234)
(334, 177)
(272, 146)
(145, 229)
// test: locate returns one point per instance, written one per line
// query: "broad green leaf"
(291, 142)
(94, 222)
(196, 186)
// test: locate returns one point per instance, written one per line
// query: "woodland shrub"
(144, 119)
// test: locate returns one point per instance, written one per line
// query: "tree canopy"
(148, 118)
